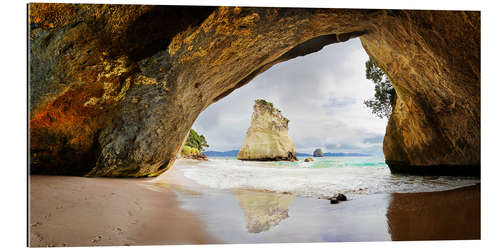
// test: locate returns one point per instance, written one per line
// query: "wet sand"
(76, 211)
(447, 215)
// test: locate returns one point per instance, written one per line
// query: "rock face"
(114, 89)
(267, 138)
(318, 152)
(433, 61)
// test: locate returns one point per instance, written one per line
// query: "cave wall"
(433, 60)
(114, 89)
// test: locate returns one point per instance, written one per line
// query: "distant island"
(230, 153)
(234, 153)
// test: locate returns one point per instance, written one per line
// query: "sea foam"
(323, 177)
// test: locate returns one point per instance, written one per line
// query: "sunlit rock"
(308, 159)
(433, 60)
(267, 138)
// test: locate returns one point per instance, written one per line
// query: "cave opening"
(321, 94)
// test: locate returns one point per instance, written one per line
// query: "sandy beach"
(77, 211)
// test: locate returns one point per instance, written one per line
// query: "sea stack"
(318, 152)
(267, 138)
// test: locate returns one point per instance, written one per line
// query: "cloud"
(375, 139)
(322, 94)
(340, 102)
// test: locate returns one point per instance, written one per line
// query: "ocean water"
(324, 176)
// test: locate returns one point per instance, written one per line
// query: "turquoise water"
(327, 162)
(322, 177)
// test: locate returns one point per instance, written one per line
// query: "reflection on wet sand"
(263, 210)
(177, 188)
(252, 216)
(448, 215)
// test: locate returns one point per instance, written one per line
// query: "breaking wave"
(323, 177)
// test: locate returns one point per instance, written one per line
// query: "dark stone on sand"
(341, 197)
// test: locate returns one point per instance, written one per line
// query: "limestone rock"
(308, 159)
(318, 152)
(433, 60)
(114, 89)
(267, 138)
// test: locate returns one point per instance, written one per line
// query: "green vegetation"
(195, 141)
(262, 101)
(187, 150)
(385, 94)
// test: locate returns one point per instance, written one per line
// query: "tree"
(203, 142)
(385, 94)
(196, 140)
(262, 101)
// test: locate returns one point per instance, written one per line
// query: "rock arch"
(114, 89)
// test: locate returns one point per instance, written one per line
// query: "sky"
(321, 94)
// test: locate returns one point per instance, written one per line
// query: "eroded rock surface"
(267, 137)
(433, 61)
(114, 89)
